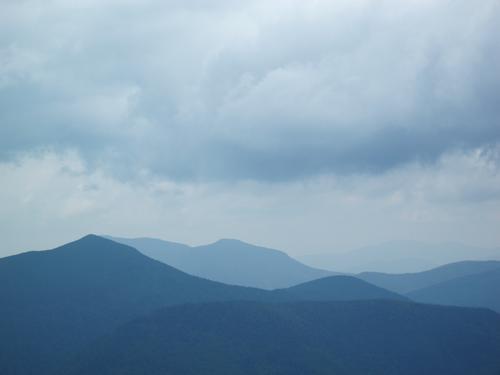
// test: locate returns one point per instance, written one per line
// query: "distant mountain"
(230, 261)
(55, 302)
(407, 282)
(314, 338)
(399, 257)
(339, 288)
(478, 290)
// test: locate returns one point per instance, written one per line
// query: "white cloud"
(48, 198)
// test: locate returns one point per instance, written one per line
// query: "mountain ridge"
(477, 290)
(55, 302)
(230, 261)
(318, 338)
(407, 282)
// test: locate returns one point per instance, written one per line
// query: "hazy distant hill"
(314, 338)
(339, 288)
(54, 302)
(478, 290)
(230, 261)
(399, 257)
(407, 282)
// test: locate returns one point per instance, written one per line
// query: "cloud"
(48, 198)
(266, 91)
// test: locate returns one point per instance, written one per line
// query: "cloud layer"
(47, 199)
(264, 91)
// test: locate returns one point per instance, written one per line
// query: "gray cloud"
(266, 91)
(50, 198)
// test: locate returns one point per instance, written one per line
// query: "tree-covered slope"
(240, 338)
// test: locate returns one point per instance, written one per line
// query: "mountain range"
(408, 282)
(229, 261)
(96, 306)
(239, 263)
(467, 283)
(56, 302)
(477, 290)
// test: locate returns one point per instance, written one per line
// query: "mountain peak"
(342, 287)
(92, 244)
(230, 261)
(229, 241)
(91, 239)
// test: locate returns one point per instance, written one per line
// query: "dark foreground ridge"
(361, 337)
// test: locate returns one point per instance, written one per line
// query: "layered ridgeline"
(399, 257)
(56, 302)
(337, 288)
(468, 283)
(408, 282)
(314, 338)
(230, 261)
(477, 290)
(95, 306)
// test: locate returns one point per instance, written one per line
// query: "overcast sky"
(308, 126)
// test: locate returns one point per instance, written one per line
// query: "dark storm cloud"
(265, 91)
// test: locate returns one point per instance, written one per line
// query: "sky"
(308, 126)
